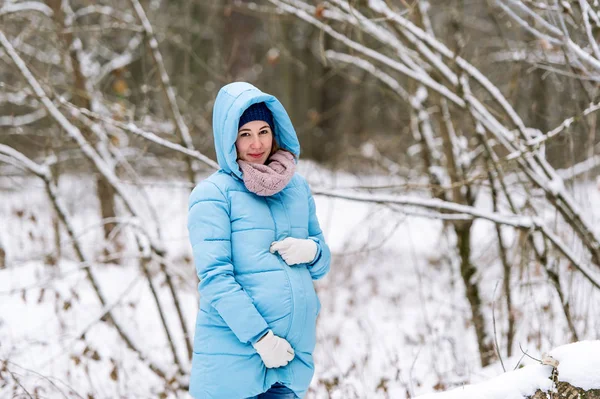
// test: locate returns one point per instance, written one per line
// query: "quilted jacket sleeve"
(209, 229)
(320, 265)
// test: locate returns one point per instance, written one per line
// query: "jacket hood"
(230, 104)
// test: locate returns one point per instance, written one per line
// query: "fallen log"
(564, 390)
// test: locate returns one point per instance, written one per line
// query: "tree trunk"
(239, 38)
(2, 256)
(468, 271)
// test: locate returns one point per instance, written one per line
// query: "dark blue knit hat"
(257, 112)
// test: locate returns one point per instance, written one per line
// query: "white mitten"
(295, 250)
(274, 351)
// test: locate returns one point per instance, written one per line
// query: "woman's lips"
(256, 155)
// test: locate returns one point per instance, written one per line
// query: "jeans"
(277, 391)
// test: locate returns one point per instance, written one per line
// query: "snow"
(273, 53)
(376, 5)
(368, 150)
(421, 94)
(556, 185)
(512, 385)
(579, 364)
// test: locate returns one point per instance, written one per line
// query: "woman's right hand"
(295, 251)
(274, 351)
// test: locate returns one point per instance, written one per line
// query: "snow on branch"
(164, 77)
(37, 89)
(104, 10)
(542, 6)
(586, 11)
(22, 120)
(38, 6)
(557, 130)
(22, 97)
(584, 55)
(561, 38)
(50, 56)
(539, 171)
(541, 21)
(416, 101)
(516, 221)
(120, 61)
(132, 128)
(521, 222)
(565, 250)
(532, 56)
(535, 32)
(373, 70)
(468, 68)
(580, 168)
(24, 162)
(405, 54)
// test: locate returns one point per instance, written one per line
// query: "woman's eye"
(264, 131)
(244, 134)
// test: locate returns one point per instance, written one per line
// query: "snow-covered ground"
(394, 323)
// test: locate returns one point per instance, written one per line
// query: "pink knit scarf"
(270, 178)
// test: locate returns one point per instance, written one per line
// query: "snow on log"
(569, 371)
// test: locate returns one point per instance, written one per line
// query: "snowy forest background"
(451, 147)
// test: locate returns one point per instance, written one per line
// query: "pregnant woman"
(257, 248)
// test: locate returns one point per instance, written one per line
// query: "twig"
(146, 259)
(527, 354)
(495, 333)
(14, 377)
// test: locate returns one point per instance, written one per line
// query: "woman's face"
(254, 142)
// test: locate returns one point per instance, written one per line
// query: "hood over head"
(230, 104)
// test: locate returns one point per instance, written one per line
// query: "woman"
(257, 247)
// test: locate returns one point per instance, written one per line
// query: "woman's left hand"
(295, 251)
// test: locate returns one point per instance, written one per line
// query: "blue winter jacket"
(244, 289)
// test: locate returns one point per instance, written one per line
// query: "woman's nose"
(255, 142)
